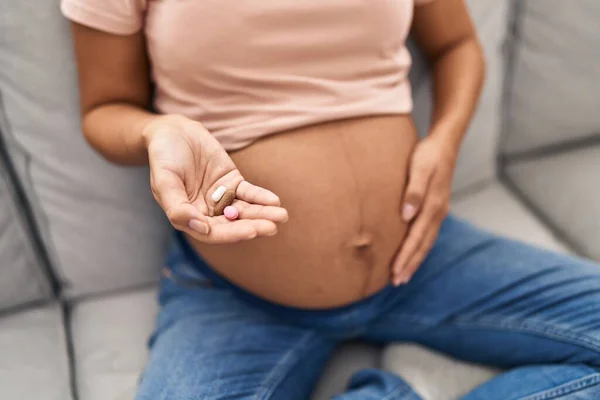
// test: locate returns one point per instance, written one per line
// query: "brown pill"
(225, 201)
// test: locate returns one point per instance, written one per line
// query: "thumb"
(418, 182)
(169, 191)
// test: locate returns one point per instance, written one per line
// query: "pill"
(225, 201)
(217, 194)
(231, 212)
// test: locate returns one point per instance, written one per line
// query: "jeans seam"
(400, 390)
(523, 326)
(546, 330)
(278, 373)
(566, 388)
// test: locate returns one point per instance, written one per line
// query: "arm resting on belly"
(446, 35)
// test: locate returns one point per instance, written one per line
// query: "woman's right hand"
(187, 164)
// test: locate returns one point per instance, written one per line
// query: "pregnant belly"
(342, 184)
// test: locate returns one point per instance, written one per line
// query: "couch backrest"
(554, 95)
(550, 144)
(98, 221)
(477, 161)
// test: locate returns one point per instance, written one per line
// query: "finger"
(408, 248)
(417, 232)
(237, 231)
(255, 211)
(419, 256)
(169, 191)
(256, 195)
(418, 183)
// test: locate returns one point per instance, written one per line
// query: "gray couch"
(81, 241)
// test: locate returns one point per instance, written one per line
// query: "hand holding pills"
(195, 181)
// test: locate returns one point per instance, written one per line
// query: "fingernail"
(198, 226)
(408, 212)
(406, 280)
(272, 233)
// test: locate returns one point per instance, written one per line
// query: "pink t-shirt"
(247, 69)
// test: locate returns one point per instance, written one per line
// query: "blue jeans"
(477, 297)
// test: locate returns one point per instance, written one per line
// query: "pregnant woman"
(301, 110)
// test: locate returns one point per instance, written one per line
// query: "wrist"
(157, 125)
(450, 139)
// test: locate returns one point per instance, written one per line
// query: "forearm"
(115, 130)
(458, 76)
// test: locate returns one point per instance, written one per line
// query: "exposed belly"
(342, 184)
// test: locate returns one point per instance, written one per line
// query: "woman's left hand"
(426, 203)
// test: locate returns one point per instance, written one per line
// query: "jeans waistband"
(360, 311)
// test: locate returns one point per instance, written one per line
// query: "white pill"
(218, 194)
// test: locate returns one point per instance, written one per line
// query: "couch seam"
(26, 213)
(553, 149)
(66, 311)
(511, 48)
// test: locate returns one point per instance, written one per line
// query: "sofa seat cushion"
(496, 208)
(34, 359)
(565, 189)
(109, 340)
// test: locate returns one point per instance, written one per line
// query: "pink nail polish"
(408, 212)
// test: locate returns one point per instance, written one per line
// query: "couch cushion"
(34, 362)
(110, 336)
(478, 154)
(435, 376)
(554, 91)
(24, 276)
(565, 189)
(99, 221)
(497, 209)
(109, 339)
